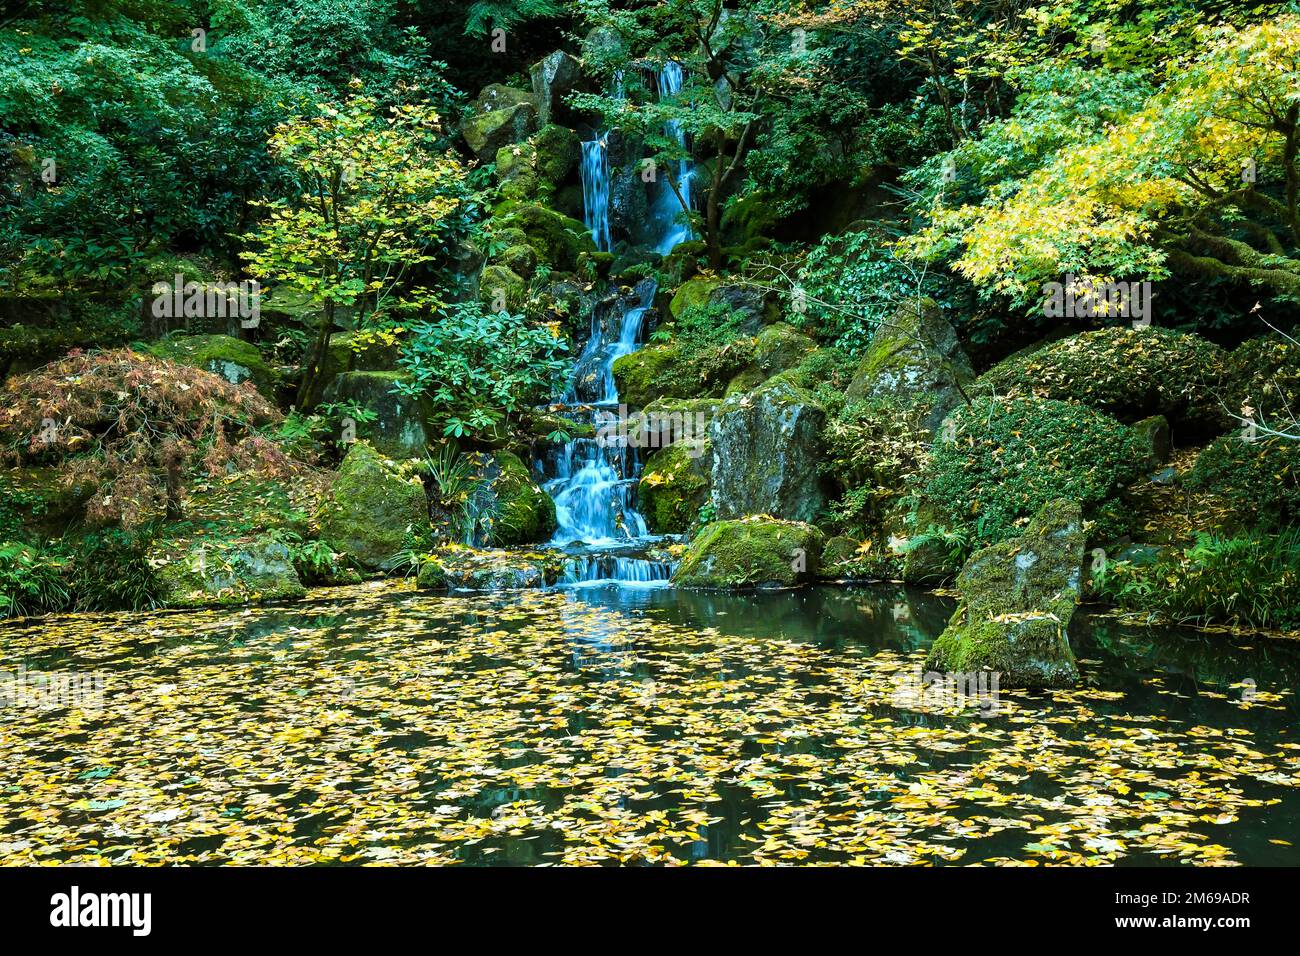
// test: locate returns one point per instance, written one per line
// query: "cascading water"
(595, 190)
(666, 209)
(593, 480)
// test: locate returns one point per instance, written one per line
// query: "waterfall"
(595, 480)
(595, 190)
(666, 208)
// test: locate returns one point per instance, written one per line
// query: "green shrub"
(1265, 375)
(999, 460)
(1128, 373)
(112, 573)
(1251, 581)
(1261, 476)
(875, 450)
(703, 325)
(31, 581)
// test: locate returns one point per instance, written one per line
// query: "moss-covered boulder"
(374, 510)
(751, 553)
(777, 348)
(1264, 375)
(233, 359)
(557, 239)
(1127, 373)
(693, 292)
(399, 429)
(510, 507)
(538, 165)
(674, 486)
(651, 373)
(916, 355)
(1017, 599)
(767, 454)
(498, 116)
(998, 460)
(216, 572)
(501, 288)
(468, 569)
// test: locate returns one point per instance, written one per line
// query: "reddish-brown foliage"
(135, 425)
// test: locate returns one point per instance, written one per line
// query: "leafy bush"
(134, 425)
(1127, 373)
(1252, 581)
(1265, 374)
(854, 282)
(473, 365)
(1262, 477)
(31, 581)
(875, 449)
(704, 324)
(999, 460)
(111, 571)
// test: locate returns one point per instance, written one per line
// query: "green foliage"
(476, 367)
(853, 282)
(31, 581)
(1003, 459)
(875, 450)
(1251, 580)
(451, 480)
(487, 15)
(704, 325)
(1260, 478)
(111, 571)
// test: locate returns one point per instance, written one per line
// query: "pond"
(380, 724)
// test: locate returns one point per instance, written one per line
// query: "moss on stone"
(693, 292)
(218, 573)
(674, 486)
(558, 240)
(523, 512)
(233, 359)
(749, 553)
(374, 512)
(651, 373)
(468, 569)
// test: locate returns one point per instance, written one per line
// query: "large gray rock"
(553, 77)
(374, 511)
(399, 429)
(463, 569)
(915, 355)
(1017, 599)
(766, 453)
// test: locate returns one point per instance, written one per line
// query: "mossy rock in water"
(915, 356)
(558, 240)
(233, 359)
(1128, 373)
(998, 460)
(767, 453)
(218, 572)
(1018, 597)
(467, 569)
(509, 504)
(751, 553)
(400, 428)
(674, 486)
(374, 511)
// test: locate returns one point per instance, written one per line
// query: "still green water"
(379, 724)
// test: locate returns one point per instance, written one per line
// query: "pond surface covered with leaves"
(379, 724)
